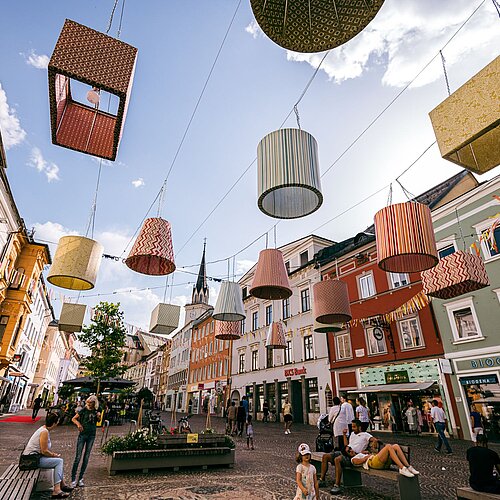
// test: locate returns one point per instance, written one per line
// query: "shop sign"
(192, 438)
(488, 362)
(485, 379)
(359, 353)
(399, 377)
(295, 371)
(201, 387)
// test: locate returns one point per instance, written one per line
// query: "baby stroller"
(324, 441)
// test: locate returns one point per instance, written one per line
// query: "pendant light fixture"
(76, 263)
(276, 336)
(229, 306)
(324, 328)
(331, 302)
(271, 278)
(164, 319)
(228, 330)
(71, 317)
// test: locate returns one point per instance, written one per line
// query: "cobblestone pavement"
(267, 473)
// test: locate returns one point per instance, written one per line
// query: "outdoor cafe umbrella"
(91, 382)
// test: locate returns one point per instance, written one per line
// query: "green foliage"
(105, 338)
(137, 440)
(145, 394)
(229, 442)
(65, 391)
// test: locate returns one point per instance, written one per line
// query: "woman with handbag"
(39, 444)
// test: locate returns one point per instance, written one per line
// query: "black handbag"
(29, 462)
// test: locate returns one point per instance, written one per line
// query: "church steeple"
(200, 290)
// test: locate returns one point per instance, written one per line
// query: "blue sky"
(253, 87)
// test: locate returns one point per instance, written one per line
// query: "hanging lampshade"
(466, 124)
(323, 328)
(455, 275)
(153, 250)
(76, 263)
(227, 330)
(102, 62)
(71, 317)
(271, 278)
(289, 182)
(229, 306)
(331, 302)
(164, 319)
(276, 336)
(405, 238)
(305, 26)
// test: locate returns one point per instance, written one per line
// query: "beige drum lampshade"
(405, 238)
(71, 317)
(164, 319)
(153, 250)
(467, 123)
(288, 174)
(324, 328)
(455, 275)
(331, 302)
(276, 336)
(313, 25)
(271, 278)
(76, 263)
(229, 306)
(228, 330)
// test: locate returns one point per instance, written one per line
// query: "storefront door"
(297, 407)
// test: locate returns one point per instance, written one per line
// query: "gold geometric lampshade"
(71, 317)
(228, 330)
(164, 319)
(313, 26)
(76, 263)
(467, 123)
(276, 336)
(229, 306)
(331, 302)
(405, 238)
(289, 182)
(271, 278)
(153, 250)
(324, 328)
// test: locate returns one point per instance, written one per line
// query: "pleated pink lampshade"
(228, 330)
(455, 275)
(271, 278)
(153, 250)
(276, 336)
(405, 238)
(331, 302)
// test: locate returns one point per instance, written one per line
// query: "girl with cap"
(305, 475)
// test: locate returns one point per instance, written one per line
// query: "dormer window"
(304, 258)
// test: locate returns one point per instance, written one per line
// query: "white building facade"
(178, 370)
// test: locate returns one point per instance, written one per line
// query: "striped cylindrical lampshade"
(271, 278)
(76, 263)
(276, 336)
(455, 275)
(331, 302)
(227, 330)
(405, 238)
(153, 250)
(288, 174)
(229, 306)
(323, 328)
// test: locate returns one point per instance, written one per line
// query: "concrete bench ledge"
(470, 494)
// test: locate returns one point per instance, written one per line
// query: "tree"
(105, 338)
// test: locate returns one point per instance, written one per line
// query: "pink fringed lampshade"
(331, 302)
(455, 275)
(405, 238)
(227, 330)
(271, 278)
(153, 250)
(276, 336)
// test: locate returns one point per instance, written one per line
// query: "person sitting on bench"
(482, 462)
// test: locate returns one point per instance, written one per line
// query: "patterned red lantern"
(271, 278)
(276, 336)
(331, 302)
(405, 238)
(228, 330)
(153, 251)
(103, 63)
(455, 275)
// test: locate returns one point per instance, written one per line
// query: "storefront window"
(249, 395)
(271, 396)
(411, 336)
(375, 340)
(260, 397)
(312, 395)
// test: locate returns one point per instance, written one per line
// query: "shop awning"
(410, 387)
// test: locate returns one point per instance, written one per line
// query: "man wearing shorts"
(287, 416)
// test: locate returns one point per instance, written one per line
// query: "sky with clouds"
(252, 89)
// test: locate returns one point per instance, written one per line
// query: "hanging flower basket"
(331, 302)
(271, 278)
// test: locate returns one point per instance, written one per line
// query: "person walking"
(37, 404)
(249, 432)
(265, 411)
(349, 412)
(287, 416)
(482, 463)
(241, 418)
(190, 406)
(305, 475)
(244, 399)
(476, 423)
(439, 419)
(86, 421)
(231, 417)
(363, 414)
(338, 419)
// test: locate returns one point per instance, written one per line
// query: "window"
(463, 320)
(375, 340)
(446, 250)
(490, 242)
(241, 365)
(269, 315)
(304, 300)
(288, 352)
(410, 334)
(313, 395)
(3, 325)
(287, 266)
(399, 279)
(255, 360)
(308, 348)
(269, 358)
(343, 346)
(244, 292)
(286, 308)
(304, 258)
(242, 326)
(366, 286)
(255, 320)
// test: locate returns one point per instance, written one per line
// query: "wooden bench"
(470, 494)
(16, 484)
(409, 487)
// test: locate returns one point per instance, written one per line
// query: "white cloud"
(254, 29)
(10, 127)
(50, 232)
(138, 182)
(242, 266)
(50, 169)
(39, 61)
(404, 36)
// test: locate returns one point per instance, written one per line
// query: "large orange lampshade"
(331, 302)
(276, 336)
(271, 278)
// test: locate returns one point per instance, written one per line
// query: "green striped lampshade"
(229, 306)
(288, 174)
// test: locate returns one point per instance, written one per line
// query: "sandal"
(62, 494)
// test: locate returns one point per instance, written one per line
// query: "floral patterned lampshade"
(228, 330)
(164, 319)
(229, 306)
(276, 336)
(71, 317)
(331, 302)
(271, 278)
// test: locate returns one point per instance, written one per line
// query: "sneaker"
(405, 472)
(413, 470)
(435, 449)
(73, 484)
(81, 483)
(335, 490)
